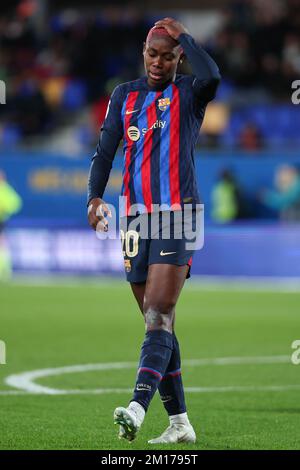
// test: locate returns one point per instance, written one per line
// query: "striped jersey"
(159, 129)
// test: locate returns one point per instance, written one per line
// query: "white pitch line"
(105, 391)
(25, 381)
(222, 361)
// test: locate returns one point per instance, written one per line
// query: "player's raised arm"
(204, 68)
(110, 136)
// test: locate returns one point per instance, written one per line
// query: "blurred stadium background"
(61, 60)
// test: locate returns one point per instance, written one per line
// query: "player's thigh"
(138, 289)
(135, 250)
(163, 286)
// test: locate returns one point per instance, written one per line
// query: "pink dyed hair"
(158, 31)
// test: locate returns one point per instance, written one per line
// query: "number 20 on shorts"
(130, 243)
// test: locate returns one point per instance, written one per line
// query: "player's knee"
(161, 306)
(157, 321)
(159, 316)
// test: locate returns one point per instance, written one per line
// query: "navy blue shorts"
(156, 238)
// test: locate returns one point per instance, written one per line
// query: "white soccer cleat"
(176, 433)
(128, 423)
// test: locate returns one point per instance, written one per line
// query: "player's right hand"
(173, 27)
(97, 213)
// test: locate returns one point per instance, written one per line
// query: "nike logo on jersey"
(162, 253)
(133, 111)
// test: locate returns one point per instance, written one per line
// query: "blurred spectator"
(240, 60)
(257, 41)
(10, 204)
(250, 138)
(285, 198)
(28, 107)
(226, 199)
(291, 51)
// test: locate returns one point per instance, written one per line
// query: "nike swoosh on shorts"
(162, 253)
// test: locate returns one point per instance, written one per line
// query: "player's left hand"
(173, 27)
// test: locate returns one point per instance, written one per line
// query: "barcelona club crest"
(163, 103)
(127, 265)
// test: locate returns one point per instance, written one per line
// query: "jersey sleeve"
(205, 71)
(110, 135)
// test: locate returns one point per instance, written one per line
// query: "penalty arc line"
(105, 391)
(24, 382)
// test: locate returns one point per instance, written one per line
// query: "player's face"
(161, 57)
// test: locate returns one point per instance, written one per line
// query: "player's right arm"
(110, 135)
(204, 68)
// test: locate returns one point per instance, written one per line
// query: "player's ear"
(144, 47)
(181, 54)
(182, 58)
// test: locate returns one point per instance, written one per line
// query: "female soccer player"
(158, 117)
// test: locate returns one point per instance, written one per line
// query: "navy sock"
(155, 357)
(171, 386)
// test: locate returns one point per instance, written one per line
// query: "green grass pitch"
(85, 323)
